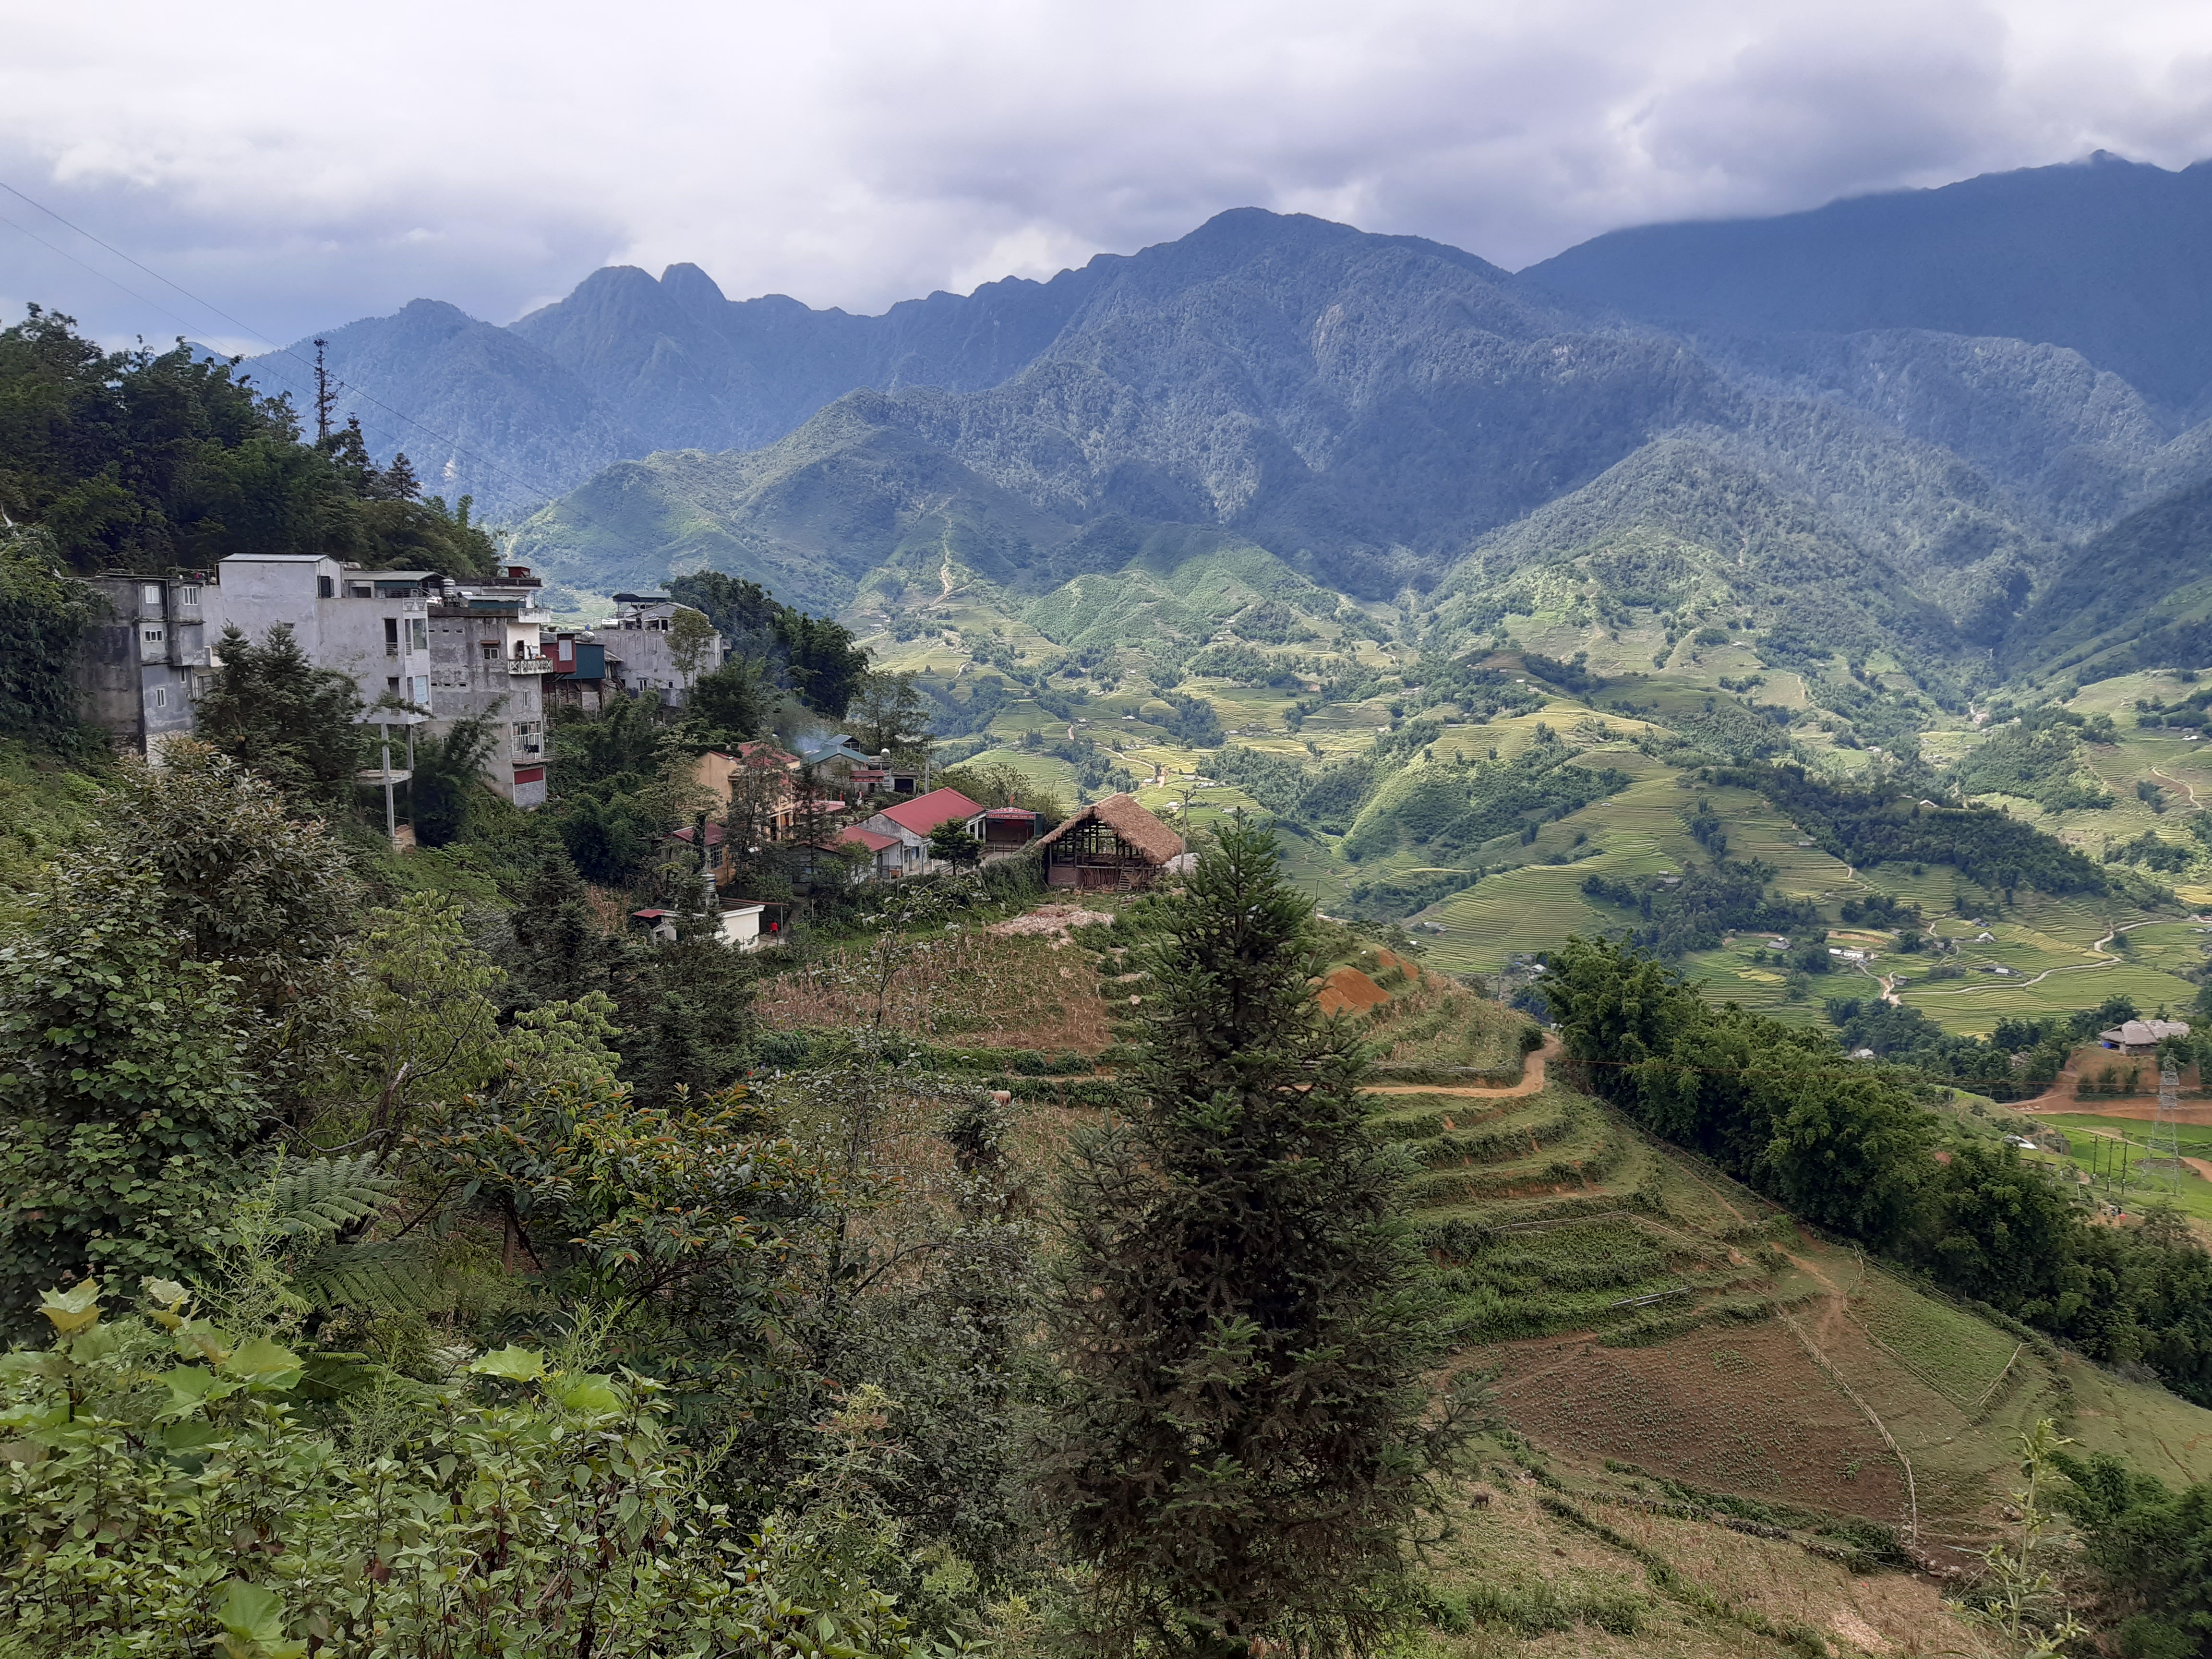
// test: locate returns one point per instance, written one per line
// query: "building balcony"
(533, 664)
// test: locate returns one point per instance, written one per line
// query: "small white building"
(641, 641)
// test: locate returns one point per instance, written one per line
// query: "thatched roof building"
(1112, 843)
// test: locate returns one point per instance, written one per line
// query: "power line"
(447, 439)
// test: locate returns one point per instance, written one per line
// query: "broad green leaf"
(75, 1310)
(251, 1612)
(187, 1437)
(209, 1342)
(189, 1387)
(264, 1365)
(516, 1364)
(164, 1293)
(585, 1392)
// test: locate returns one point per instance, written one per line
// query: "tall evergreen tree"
(1245, 1435)
(294, 723)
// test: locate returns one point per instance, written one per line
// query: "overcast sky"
(299, 167)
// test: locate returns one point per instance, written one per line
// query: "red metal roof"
(867, 838)
(924, 812)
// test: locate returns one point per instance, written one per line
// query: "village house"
(1005, 830)
(772, 790)
(909, 821)
(139, 663)
(2141, 1037)
(883, 851)
(487, 662)
(646, 651)
(1111, 844)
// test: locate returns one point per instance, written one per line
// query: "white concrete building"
(487, 659)
(371, 624)
(641, 655)
(411, 638)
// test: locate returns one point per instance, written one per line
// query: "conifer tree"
(1244, 1435)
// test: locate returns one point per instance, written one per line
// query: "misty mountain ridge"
(1368, 409)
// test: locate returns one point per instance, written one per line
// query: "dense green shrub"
(170, 1486)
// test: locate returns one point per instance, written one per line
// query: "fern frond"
(324, 1195)
(392, 1277)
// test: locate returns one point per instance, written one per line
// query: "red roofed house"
(910, 821)
(883, 851)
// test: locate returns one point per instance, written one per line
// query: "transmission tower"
(325, 399)
(2161, 1160)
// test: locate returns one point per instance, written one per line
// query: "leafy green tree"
(622, 743)
(731, 702)
(271, 708)
(888, 713)
(951, 844)
(817, 658)
(429, 1029)
(559, 950)
(690, 638)
(243, 883)
(42, 616)
(2152, 1545)
(1244, 1435)
(125, 1103)
(141, 460)
(448, 777)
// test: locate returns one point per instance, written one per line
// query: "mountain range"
(1947, 403)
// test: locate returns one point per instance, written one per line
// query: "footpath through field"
(1532, 1080)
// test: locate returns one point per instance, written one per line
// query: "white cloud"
(299, 168)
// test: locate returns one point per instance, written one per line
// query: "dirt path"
(2184, 782)
(2108, 959)
(1532, 1080)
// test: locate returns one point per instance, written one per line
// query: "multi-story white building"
(372, 625)
(487, 660)
(414, 639)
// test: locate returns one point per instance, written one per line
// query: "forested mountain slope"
(2109, 256)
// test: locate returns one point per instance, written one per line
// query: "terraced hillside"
(1657, 1329)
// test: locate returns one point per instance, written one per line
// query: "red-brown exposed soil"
(1346, 990)
(1740, 1409)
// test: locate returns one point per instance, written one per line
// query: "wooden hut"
(1111, 844)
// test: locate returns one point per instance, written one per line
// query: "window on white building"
(160, 697)
(153, 636)
(528, 738)
(149, 595)
(418, 633)
(189, 594)
(391, 636)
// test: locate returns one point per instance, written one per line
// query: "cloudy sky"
(300, 166)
